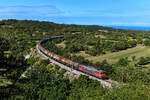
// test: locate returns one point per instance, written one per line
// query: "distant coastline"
(132, 27)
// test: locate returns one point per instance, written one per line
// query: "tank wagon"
(80, 67)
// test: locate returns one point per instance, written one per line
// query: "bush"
(57, 67)
(32, 60)
(144, 61)
(123, 62)
(62, 71)
(45, 62)
(147, 42)
(104, 66)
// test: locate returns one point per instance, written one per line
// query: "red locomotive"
(92, 71)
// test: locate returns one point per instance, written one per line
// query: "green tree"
(86, 89)
(41, 84)
(136, 91)
(123, 62)
(105, 66)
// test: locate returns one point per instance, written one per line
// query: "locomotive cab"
(93, 71)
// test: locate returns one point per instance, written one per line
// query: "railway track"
(105, 83)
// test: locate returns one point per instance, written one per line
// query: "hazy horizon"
(85, 12)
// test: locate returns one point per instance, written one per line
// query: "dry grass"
(138, 51)
(101, 36)
(4, 81)
(62, 44)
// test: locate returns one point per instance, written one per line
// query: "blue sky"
(91, 12)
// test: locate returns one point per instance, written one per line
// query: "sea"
(132, 27)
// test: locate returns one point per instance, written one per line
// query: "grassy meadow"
(138, 51)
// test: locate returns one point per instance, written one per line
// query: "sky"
(84, 12)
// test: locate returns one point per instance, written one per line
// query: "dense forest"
(46, 81)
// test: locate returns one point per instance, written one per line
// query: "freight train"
(80, 67)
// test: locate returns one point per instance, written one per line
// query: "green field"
(138, 51)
